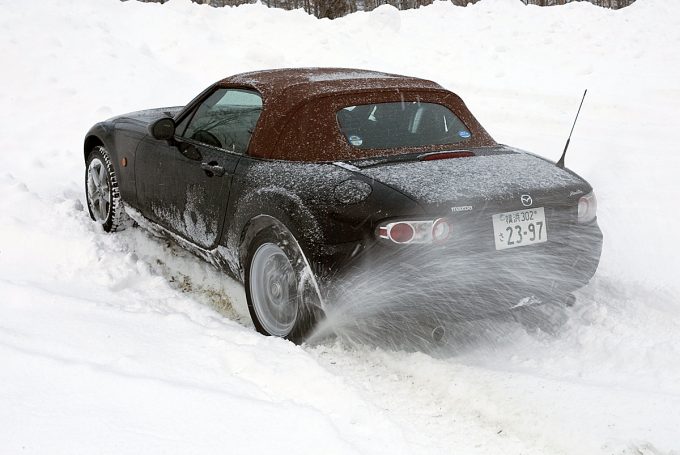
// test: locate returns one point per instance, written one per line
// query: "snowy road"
(116, 343)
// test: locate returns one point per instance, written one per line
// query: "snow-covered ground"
(123, 344)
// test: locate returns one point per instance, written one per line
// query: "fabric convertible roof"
(298, 120)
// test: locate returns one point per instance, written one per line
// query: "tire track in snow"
(430, 418)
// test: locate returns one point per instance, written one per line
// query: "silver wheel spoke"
(102, 175)
(95, 176)
(90, 190)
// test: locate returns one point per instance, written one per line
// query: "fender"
(105, 134)
(272, 206)
(101, 134)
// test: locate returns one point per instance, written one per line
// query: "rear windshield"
(400, 124)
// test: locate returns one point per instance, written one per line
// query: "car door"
(190, 180)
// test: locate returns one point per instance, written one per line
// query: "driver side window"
(226, 119)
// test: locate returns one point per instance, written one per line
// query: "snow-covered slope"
(122, 344)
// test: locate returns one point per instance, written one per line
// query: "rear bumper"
(460, 279)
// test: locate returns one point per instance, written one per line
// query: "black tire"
(105, 207)
(303, 294)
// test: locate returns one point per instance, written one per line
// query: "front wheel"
(282, 293)
(101, 188)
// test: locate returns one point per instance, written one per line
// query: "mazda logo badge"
(526, 200)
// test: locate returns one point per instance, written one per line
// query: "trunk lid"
(492, 179)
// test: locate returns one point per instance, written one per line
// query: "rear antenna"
(560, 163)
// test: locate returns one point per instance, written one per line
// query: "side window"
(226, 119)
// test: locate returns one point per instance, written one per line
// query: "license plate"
(519, 228)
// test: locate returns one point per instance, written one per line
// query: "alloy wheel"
(98, 190)
(273, 287)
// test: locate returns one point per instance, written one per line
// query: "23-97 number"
(534, 232)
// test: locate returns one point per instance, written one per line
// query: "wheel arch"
(251, 229)
(101, 135)
(273, 208)
(91, 141)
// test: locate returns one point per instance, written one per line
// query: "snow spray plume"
(419, 297)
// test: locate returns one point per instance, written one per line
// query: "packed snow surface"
(124, 344)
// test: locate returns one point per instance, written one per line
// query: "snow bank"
(110, 344)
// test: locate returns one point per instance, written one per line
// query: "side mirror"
(163, 129)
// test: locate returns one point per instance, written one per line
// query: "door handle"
(213, 169)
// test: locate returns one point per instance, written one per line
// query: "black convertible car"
(291, 180)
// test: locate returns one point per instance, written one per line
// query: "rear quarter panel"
(302, 196)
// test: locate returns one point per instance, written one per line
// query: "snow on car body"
(291, 180)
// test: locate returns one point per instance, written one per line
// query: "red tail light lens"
(401, 233)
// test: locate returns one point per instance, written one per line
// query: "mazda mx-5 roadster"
(293, 181)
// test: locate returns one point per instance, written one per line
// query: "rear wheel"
(101, 188)
(283, 297)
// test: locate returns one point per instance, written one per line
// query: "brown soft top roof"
(307, 83)
(295, 123)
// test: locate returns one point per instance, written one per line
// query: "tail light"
(441, 230)
(406, 232)
(587, 208)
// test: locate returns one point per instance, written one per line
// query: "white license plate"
(519, 228)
